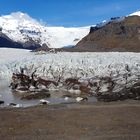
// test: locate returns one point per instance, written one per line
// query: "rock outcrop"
(5, 41)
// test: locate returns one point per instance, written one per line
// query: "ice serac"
(21, 28)
(118, 34)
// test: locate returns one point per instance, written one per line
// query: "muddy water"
(8, 96)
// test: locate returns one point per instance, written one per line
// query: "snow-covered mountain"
(20, 27)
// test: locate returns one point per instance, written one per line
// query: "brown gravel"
(100, 121)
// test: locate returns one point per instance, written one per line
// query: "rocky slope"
(5, 41)
(119, 34)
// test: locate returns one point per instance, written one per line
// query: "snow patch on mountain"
(20, 27)
(135, 13)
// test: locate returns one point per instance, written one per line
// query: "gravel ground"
(100, 121)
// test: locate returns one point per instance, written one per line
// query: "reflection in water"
(56, 97)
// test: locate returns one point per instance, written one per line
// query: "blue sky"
(70, 12)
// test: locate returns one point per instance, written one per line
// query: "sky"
(70, 13)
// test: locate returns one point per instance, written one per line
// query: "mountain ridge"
(19, 30)
(116, 35)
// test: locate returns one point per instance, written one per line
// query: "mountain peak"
(16, 20)
(20, 15)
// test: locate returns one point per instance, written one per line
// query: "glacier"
(52, 65)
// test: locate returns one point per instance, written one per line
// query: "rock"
(1, 102)
(44, 102)
(12, 104)
(123, 97)
(131, 95)
(38, 95)
(15, 105)
(80, 99)
(68, 95)
(0, 29)
(107, 98)
(136, 90)
(137, 98)
(66, 98)
(22, 89)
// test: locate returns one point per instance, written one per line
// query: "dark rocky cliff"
(7, 42)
